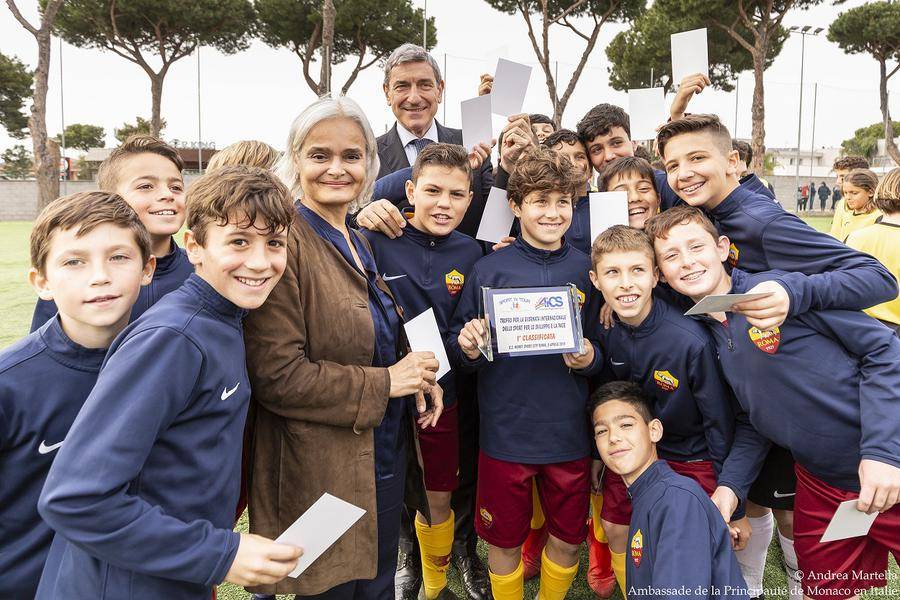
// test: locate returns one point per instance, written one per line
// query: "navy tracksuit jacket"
(171, 271)
(44, 380)
(673, 359)
(678, 545)
(830, 417)
(142, 494)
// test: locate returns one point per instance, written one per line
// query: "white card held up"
(424, 336)
(497, 218)
(510, 84)
(319, 528)
(722, 303)
(477, 122)
(607, 209)
(689, 54)
(647, 111)
(848, 522)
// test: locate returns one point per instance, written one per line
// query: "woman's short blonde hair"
(252, 153)
(288, 166)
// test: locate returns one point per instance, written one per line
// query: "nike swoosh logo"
(779, 495)
(45, 449)
(616, 364)
(226, 392)
(391, 277)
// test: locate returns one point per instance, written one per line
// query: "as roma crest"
(665, 381)
(581, 297)
(454, 280)
(733, 255)
(637, 548)
(487, 519)
(767, 341)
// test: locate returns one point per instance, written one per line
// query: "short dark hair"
(745, 152)
(542, 170)
(238, 194)
(600, 120)
(536, 118)
(710, 124)
(627, 392)
(452, 156)
(641, 151)
(562, 136)
(625, 164)
(84, 211)
(848, 163)
(108, 174)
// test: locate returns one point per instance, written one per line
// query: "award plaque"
(530, 321)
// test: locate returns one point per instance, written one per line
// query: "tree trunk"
(889, 144)
(328, 14)
(156, 86)
(758, 109)
(46, 166)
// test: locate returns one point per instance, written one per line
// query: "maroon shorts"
(440, 452)
(505, 500)
(616, 504)
(842, 568)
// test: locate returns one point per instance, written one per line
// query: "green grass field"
(16, 304)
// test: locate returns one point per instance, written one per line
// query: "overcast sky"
(256, 94)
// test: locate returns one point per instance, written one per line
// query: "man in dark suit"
(414, 88)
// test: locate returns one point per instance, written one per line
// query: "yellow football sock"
(555, 579)
(537, 513)
(618, 565)
(596, 507)
(435, 542)
(508, 587)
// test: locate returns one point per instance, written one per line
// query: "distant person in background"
(812, 196)
(835, 195)
(824, 192)
(805, 191)
(745, 157)
(801, 201)
(859, 206)
(541, 125)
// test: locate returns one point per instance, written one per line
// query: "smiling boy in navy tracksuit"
(146, 172)
(91, 254)
(670, 356)
(142, 495)
(679, 547)
(702, 168)
(426, 268)
(522, 434)
(840, 422)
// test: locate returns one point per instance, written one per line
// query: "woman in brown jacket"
(331, 393)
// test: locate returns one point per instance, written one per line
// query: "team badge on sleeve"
(733, 255)
(637, 548)
(665, 381)
(487, 519)
(454, 280)
(767, 341)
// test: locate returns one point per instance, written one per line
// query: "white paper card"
(424, 336)
(647, 111)
(722, 303)
(607, 209)
(510, 85)
(848, 522)
(689, 54)
(497, 218)
(319, 527)
(476, 121)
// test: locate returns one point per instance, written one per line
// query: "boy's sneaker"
(600, 576)
(532, 550)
